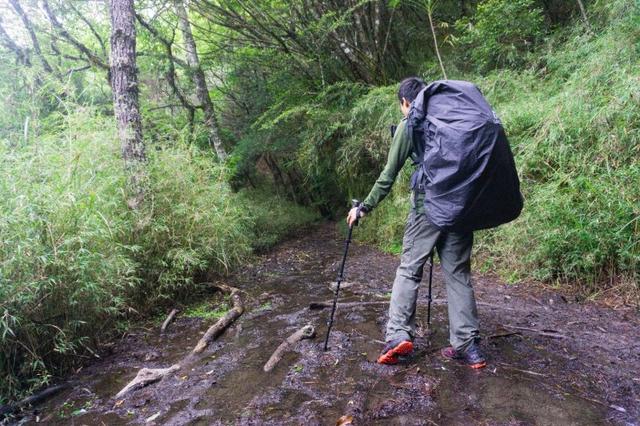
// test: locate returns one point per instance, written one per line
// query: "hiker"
(420, 239)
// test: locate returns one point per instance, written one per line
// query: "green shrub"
(63, 266)
(74, 259)
(501, 33)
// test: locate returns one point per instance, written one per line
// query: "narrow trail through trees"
(551, 361)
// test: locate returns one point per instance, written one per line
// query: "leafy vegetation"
(75, 259)
(301, 96)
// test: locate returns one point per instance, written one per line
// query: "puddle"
(310, 386)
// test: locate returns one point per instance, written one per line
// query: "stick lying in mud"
(216, 329)
(170, 318)
(32, 400)
(306, 332)
(544, 332)
(145, 377)
(322, 305)
(329, 304)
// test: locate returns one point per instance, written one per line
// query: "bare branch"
(32, 34)
(22, 55)
(93, 58)
(91, 28)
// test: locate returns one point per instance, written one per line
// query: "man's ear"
(406, 103)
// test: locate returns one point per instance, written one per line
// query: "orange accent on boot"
(478, 365)
(391, 356)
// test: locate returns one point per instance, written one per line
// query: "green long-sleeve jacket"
(401, 149)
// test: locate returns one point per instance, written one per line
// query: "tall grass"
(572, 113)
(74, 259)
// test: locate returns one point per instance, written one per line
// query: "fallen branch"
(145, 377)
(216, 329)
(545, 332)
(329, 304)
(507, 334)
(31, 400)
(167, 321)
(509, 367)
(305, 332)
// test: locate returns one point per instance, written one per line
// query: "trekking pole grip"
(356, 204)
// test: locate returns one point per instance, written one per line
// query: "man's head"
(408, 91)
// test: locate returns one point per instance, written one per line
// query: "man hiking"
(420, 239)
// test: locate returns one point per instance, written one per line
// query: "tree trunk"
(124, 83)
(32, 34)
(429, 7)
(202, 91)
(583, 12)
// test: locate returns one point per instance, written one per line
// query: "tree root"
(32, 400)
(170, 318)
(434, 302)
(329, 303)
(306, 332)
(147, 376)
(216, 329)
(555, 334)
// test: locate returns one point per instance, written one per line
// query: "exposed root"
(434, 302)
(145, 377)
(544, 332)
(170, 318)
(329, 304)
(32, 400)
(216, 329)
(306, 332)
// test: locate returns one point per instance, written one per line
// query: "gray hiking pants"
(454, 250)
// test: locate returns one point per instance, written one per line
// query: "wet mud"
(550, 361)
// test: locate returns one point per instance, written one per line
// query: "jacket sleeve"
(399, 151)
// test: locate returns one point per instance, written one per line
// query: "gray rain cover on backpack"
(467, 173)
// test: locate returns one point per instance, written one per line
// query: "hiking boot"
(472, 356)
(395, 349)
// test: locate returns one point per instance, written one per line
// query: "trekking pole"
(354, 203)
(429, 295)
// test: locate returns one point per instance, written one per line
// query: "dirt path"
(583, 367)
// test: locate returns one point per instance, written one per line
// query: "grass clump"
(574, 129)
(75, 261)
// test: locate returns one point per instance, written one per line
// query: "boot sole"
(391, 356)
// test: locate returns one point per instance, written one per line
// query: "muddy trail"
(551, 361)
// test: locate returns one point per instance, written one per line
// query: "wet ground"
(568, 364)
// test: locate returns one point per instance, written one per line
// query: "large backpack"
(467, 171)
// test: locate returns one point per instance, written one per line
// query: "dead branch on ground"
(147, 376)
(544, 332)
(167, 321)
(306, 332)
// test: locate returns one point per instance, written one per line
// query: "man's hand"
(352, 217)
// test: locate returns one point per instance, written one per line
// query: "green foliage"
(64, 267)
(207, 312)
(74, 260)
(274, 217)
(501, 32)
(192, 221)
(299, 109)
(576, 137)
(574, 132)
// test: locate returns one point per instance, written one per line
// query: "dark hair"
(410, 87)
